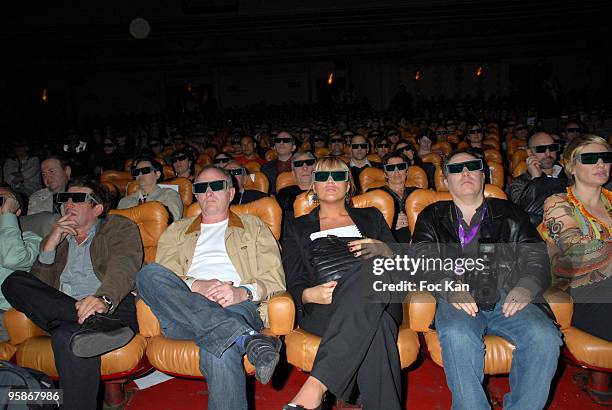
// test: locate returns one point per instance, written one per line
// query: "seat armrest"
(281, 313)
(419, 310)
(561, 304)
(19, 327)
(148, 325)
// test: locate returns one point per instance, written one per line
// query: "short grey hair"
(307, 154)
(226, 174)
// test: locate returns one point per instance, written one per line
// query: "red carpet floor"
(426, 390)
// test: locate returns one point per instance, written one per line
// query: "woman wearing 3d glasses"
(578, 230)
(358, 344)
(396, 167)
(183, 164)
(147, 172)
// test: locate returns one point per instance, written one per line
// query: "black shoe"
(263, 353)
(100, 334)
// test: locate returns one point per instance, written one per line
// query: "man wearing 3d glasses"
(544, 177)
(239, 176)
(79, 289)
(513, 271)
(214, 274)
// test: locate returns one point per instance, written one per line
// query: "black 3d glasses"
(76, 197)
(301, 162)
(336, 176)
(202, 187)
(540, 149)
(141, 171)
(591, 158)
(237, 171)
(221, 160)
(402, 166)
(457, 168)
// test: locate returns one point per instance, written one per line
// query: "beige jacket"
(250, 246)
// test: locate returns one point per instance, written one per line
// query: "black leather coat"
(522, 259)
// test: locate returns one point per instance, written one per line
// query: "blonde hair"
(333, 164)
(574, 148)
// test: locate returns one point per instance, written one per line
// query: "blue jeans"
(186, 315)
(534, 362)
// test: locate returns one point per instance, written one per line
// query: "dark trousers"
(359, 342)
(55, 313)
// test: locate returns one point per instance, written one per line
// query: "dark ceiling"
(95, 35)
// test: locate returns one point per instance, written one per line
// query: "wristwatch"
(249, 293)
(109, 303)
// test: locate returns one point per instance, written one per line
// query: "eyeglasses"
(109, 145)
(336, 141)
(298, 163)
(478, 131)
(221, 160)
(282, 140)
(574, 130)
(360, 146)
(520, 128)
(540, 149)
(76, 197)
(138, 171)
(155, 144)
(383, 146)
(392, 134)
(237, 171)
(457, 168)
(402, 166)
(179, 158)
(202, 187)
(591, 158)
(336, 176)
(441, 132)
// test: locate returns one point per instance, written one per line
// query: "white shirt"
(211, 261)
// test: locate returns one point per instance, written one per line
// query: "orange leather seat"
(258, 181)
(204, 159)
(443, 147)
(152, 220)
(169, 172)
(515, 144)
(184, 189)
(33, 345)
(497, 174)
(518, 164)
(267, 209)
(492, 143)
(421, 198)
(371, 178)
(301, 345)
(374, 158)
(377, 198)
(285, 179)
(253, 166)
(119, 179)
(321, 152)
(433, 158)
(493, 155)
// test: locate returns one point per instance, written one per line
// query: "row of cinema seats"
(29, 346)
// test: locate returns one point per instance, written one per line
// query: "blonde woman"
(358, 344)
(578, 229)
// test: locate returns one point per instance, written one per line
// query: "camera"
(484, 283)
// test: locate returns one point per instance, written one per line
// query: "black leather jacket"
(522, 260)
(537, 191)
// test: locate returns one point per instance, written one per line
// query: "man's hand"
(533, 166)
(368, 248)
(61, 228)
(516, 300)
(88, 306)
(225, 293)
(10, 205)
(463, 301)
(321, 294)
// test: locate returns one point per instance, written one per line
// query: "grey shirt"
(169, 197)
(78, 278)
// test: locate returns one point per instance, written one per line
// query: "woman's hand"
(321, 294)
(369, 248)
